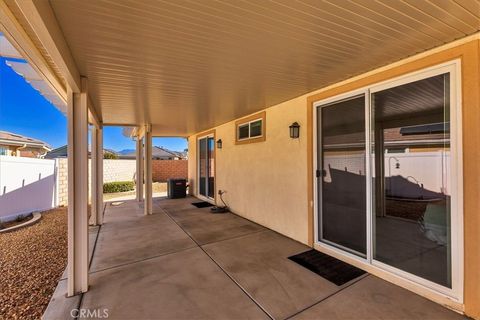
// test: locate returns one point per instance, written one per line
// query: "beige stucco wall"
(192, 165)
(265, 182)
(271, 182)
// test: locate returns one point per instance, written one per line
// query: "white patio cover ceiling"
(186, 66)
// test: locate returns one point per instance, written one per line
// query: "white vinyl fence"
(29, 184)
(26, 185)
(430, 170)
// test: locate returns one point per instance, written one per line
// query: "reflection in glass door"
(206, 167)
(411, 147)
(342, 179)
(211, 167)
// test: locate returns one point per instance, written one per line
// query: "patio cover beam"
(17, 36)
(139, 171)
(77, 117)
(148, 170)
(96, 217)
(41, 18)
(93, 117)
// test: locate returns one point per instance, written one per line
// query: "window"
(243, 131)
(251, 129)
(3, 151)
(256, 128)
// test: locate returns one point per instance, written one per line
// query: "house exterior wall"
(469, 53)
(10, 150)
(28, 152)
(271, 182)
(192, 165)
(265, 181)
(32, 152)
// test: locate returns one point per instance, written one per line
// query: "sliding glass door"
(206, 166)
(342, 179)
(389, 180)
(411, 149)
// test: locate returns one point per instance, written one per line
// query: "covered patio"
(236, 79)
(187, 263)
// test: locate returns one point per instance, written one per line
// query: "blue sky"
(24, 111)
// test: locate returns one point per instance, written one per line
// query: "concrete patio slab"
(175, 204)
(119, 211)
(60, 307)
(182, 285)
(190, 212)
(208, 227)
(373, 298)
(126, 242)
(148, 267)
(259, 263)
(130, 218)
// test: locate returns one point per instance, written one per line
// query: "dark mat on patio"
(328, 267)
(202, 204)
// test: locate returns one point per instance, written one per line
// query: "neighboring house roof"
(157, 153)
(13, 139)
(181, 155)
(62, 152)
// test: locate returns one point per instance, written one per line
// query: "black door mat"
(328, 267)
(202, 204)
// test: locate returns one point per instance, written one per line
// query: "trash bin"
(177, 188)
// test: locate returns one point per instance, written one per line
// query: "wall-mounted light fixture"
(294, 130)
(219, 144)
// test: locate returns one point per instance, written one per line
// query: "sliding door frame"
(317, 164)
(210, 134)
(403, 278)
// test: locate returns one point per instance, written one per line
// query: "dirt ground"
(32, 260)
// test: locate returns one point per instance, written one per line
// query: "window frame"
(248, 122)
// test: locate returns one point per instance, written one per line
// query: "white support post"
(96, 217)
(99, 194)
(77, 114)
(148, 170)
(139, 173)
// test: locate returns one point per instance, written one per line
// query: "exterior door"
(341, 177)
(206, 167)
(389, 179)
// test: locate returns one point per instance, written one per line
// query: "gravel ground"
(32, 261)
